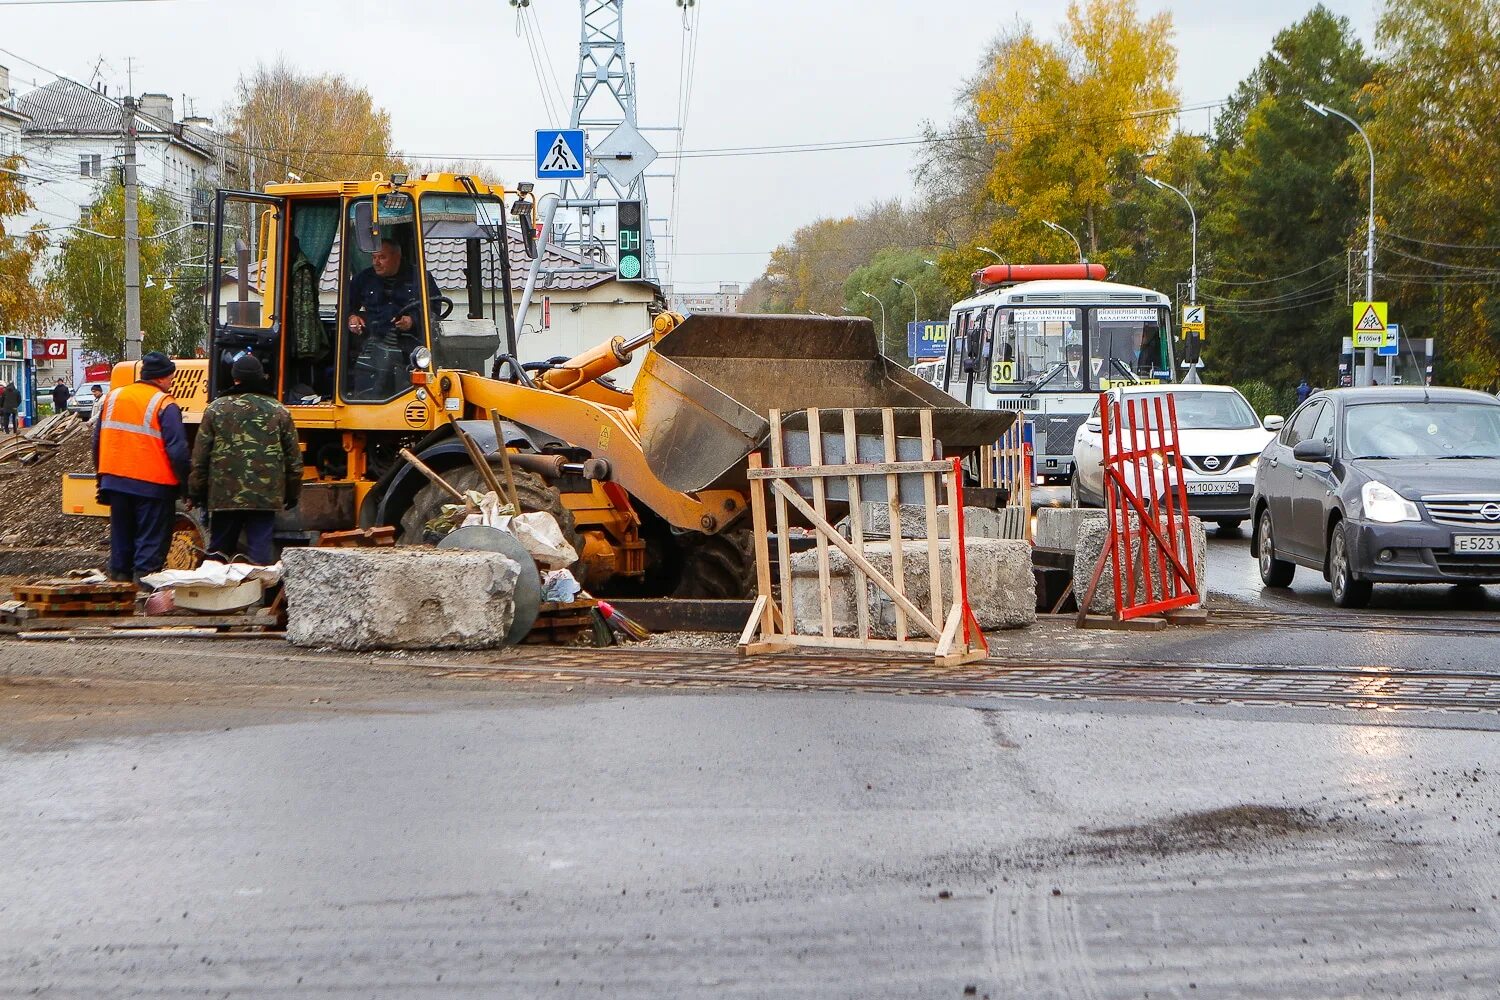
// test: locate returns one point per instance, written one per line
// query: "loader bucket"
(705, 391)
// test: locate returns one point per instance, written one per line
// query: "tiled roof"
(69, 107)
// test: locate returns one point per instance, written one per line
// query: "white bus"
(1044, 339)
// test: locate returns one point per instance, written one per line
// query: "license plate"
(1214, 489)
(1476, 543)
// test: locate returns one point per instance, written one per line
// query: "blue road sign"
(559, 153)
(927, 339)
(1388, 351)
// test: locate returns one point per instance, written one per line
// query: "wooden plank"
(860, 562)
(857, 523)
(957, 548)
(783, 529)
(934, 553)
(756, 622)
(477, 459)
(893, 494)
(820, 507)
(919, 647)
(510, 475)
(851, 469)
(762, 553)
(442, 483)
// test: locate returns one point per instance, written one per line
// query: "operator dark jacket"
(382, 300)
(246, 455)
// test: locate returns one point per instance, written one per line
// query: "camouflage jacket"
(246, 455)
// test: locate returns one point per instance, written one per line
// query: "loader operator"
(384, 314)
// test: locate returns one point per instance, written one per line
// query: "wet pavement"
(754, 845)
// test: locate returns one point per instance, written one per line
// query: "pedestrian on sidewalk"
(10, 402)
(1303, 391)
(60, 396)
(141, 454)
(247, 465)
(96, 405)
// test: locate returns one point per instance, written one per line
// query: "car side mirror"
(1094, 425)
(1274, 422)
(1312, 451)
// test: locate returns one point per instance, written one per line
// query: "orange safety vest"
(130, 441)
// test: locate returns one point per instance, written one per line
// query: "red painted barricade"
(1149, 546)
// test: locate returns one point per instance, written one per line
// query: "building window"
(90, 165)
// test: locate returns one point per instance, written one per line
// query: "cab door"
(248, 273)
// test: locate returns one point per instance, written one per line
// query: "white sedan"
(1221, 443)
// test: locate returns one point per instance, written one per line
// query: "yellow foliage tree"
(1064, 116)
(26, 305)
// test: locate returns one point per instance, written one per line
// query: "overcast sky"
(459, 81)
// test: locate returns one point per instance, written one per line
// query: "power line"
(70, 3)
(1443, 246)
(1267, 281)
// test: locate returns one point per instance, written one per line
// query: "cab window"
(1300, 427)
(382, 313)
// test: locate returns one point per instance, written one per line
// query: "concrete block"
(1086, 554)
(979, 522)
(1002, 587)
(1057, 527)
(401, 598)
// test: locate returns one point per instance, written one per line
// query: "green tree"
(1283, 210)
(88, 275)
(878, 278)
(26, 304)
(1436, 133)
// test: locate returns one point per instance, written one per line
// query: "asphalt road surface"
(749, 845)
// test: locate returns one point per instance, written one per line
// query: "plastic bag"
(538, 531)
(560, 586)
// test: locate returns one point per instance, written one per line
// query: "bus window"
(1129, 345)
(1032, 345)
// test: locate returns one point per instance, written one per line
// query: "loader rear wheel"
(532, 490)
(717, 567)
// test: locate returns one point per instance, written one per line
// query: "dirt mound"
(31, 512)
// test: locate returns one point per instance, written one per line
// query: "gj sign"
(927, 339)
(49, 350)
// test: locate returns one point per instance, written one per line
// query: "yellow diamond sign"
(1369, 324)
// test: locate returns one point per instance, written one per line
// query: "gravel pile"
(31, 501)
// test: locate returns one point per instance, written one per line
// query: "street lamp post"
(1054, 226)
(915, 309)
(878, 302)
(1192, 375)
(992, 254)
(1324, 110)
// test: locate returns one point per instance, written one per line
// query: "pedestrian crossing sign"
(559, 153)
(1369, 323)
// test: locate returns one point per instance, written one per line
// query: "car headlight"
(1254, 461)
(1385, 505)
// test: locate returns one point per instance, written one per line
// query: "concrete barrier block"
(1002, 587)
(401, 598)
(1057, 527)
(1086, 554)
(979, 522)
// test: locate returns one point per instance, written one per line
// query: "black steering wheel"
(443, 305)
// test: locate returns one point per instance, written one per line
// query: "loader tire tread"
(718, 567)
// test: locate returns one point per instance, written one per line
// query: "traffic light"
(630, 265)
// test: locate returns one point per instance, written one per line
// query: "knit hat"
(247, 368)
(156, 365)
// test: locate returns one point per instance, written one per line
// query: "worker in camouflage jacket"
(246, 465)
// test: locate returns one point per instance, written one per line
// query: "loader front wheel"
(532, 490)
(717, 567)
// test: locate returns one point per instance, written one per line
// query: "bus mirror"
(366, 236)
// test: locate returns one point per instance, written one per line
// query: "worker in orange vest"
(141, 454)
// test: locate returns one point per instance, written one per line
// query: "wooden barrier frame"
(947, 631)
(1007, 464)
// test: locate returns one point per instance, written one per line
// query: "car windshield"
(1208, 411)
(1416, 429)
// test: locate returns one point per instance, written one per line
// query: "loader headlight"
(421, 359)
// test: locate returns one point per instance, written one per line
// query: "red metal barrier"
(1149, 546)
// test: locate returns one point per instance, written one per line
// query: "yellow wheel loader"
(332, 286)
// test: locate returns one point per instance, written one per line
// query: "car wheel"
(1347, 591)
(1273, 572)
(1077, 500)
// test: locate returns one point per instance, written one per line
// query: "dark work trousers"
(8, 421)
(224, 534)
(140, 532)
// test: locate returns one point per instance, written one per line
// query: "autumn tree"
(1284, 210)
(88, 273)
(318, 127)
(923, 294)
(1436, 133)
(1066, 120)
(26, 305)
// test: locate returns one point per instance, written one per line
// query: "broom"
(624, 625)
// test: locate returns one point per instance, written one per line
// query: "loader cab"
(334, 286)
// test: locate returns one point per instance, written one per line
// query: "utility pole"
(132, 236)
(1324, 110)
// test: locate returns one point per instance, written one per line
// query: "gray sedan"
(1377, 485)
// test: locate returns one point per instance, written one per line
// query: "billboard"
(927, 339)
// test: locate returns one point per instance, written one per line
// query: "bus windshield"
(1128, 345)
(1038, 347)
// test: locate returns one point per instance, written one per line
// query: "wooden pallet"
(358, 538)
(564, 624)
(72, 599)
